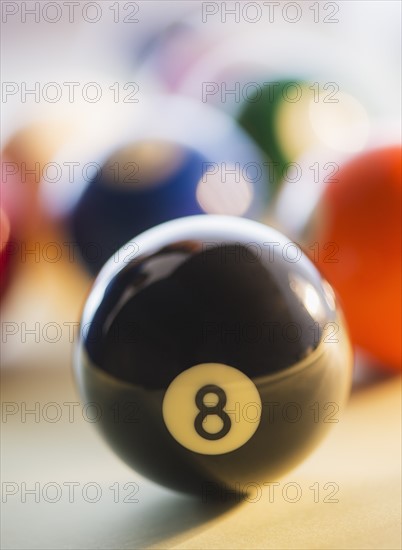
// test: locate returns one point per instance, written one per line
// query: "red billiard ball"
(354, 236)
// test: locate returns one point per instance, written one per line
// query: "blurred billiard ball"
(24, 158)
(288, 101)
(276, 117)
(139, 186)
(169, 53)
(182, 159)
(5, 250)
(354, 236)
(207, 352)
(289, 118)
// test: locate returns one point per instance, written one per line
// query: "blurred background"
(118, 116)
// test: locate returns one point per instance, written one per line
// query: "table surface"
(360, 459)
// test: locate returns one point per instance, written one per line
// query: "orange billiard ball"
(5, 244)
(356, 229)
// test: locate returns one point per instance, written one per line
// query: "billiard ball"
(353, 235)
(24, 158)
(291, 117)
(161, 170)
(207, 353)
(277, 117)
(155, 181)
(5, 250)
(13, 198)
(170, 52)
(286, 113)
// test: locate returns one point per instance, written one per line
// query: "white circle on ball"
(206, 408)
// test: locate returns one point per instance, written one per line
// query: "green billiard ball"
(277, 118)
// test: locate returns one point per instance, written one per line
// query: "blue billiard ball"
(180, 159)
(147, 183)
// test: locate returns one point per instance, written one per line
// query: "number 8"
(211, 410)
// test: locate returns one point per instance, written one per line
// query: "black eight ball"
(215, 354)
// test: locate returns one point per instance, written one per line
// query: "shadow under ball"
(217, 357)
